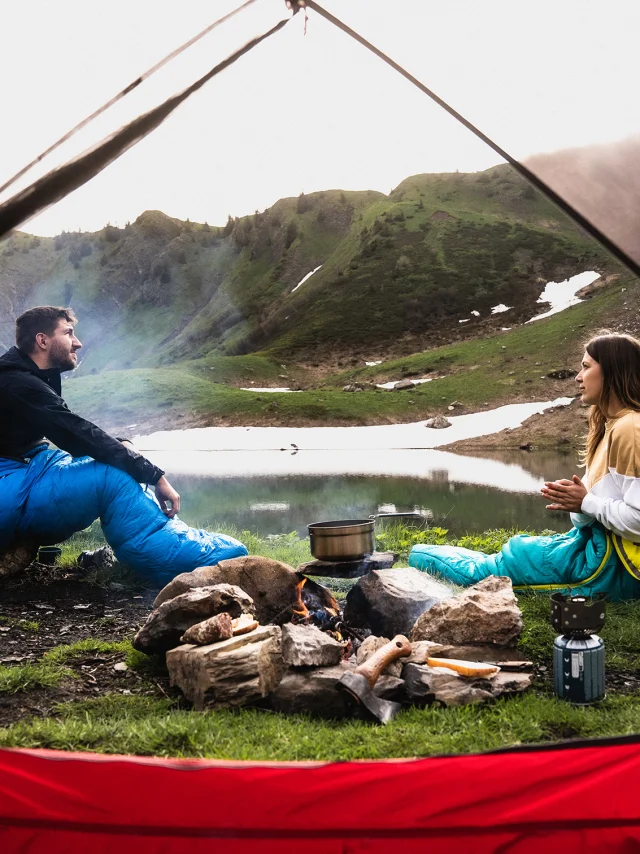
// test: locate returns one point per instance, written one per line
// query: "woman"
(601, 554)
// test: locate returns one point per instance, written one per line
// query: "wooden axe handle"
(399, 647)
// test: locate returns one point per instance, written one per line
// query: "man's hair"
(42, 318)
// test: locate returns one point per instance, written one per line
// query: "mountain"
(396, 274)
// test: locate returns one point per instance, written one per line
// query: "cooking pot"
(354, 538)
(348, 540)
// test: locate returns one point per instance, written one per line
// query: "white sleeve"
(622, 516)
(582, 520)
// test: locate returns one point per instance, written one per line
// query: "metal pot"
(347, 540)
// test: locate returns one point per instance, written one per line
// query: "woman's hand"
(566, 495)
(168, 498)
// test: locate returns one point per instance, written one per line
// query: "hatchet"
(359, 683)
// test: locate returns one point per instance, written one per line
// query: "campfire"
(253, 631)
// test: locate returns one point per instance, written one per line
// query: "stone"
(390, 688)
(389, 601)
(485, 613)
(438, 423)
(271, 584)
(17, 558)
(421, 651)
(487, 652)
(562, 374)
(313, 692)
(353, 387)
(307, 646)
(167, 623)
(373, 644)
(216, 628)
(403, 385)
(439, 684)
(239, 671)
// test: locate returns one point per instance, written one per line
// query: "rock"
(435, 684)
(390, 688)
(488, 652)
(389, 601)
(271, 584)
(372, 644)
(485, 613)
(166, 624)
(438, 423)
(421, 651)
(562, 374)
(236, 672)
(307, 646)
(217, 628)
(313, 692)
(403, 385)
(527, 446)
(17, 558)
(353, 387)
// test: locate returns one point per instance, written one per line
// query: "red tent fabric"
(581, 799)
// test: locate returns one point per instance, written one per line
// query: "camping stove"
(578, 653)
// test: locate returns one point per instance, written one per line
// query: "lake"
(275, 480)
(271, 492)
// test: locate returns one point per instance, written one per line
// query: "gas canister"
(578, 653)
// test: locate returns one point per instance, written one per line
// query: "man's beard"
(62, 359)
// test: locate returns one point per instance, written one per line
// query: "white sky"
(305, 113)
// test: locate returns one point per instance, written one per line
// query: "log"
(235, 672)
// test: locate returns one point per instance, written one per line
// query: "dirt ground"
(67, 609)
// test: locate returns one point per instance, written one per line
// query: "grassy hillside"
(395, 272)
(481, 373)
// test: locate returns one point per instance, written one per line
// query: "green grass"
(477, 373)
(25, 677)
(150, 727)
(154, 726)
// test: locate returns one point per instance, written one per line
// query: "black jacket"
(31, 408)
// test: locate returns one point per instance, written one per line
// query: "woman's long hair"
(619, 358)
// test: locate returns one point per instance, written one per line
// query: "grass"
(478, 373)
(154, 726)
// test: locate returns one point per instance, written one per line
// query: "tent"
(570, 797)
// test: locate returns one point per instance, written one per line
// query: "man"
(47, 495)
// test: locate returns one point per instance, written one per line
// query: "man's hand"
(168, 498)
(566, 495)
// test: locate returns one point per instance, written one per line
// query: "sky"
(305, 111)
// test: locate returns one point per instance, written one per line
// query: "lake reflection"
(464, 493)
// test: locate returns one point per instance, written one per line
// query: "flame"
(301, 610)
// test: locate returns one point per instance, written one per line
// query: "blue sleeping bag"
(583, 562)
(54, 495)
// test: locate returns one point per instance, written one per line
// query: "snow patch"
(498, 309)
(561, 295)
(304, 278)
(464, 320)
(475, 313)
(415, 382)
(281, 390)
(373, 364)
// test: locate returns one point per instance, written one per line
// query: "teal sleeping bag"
(583, 562)
(53, 495)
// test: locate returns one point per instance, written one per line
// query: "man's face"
(63, 345)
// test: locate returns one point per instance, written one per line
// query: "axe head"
(357, 686)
